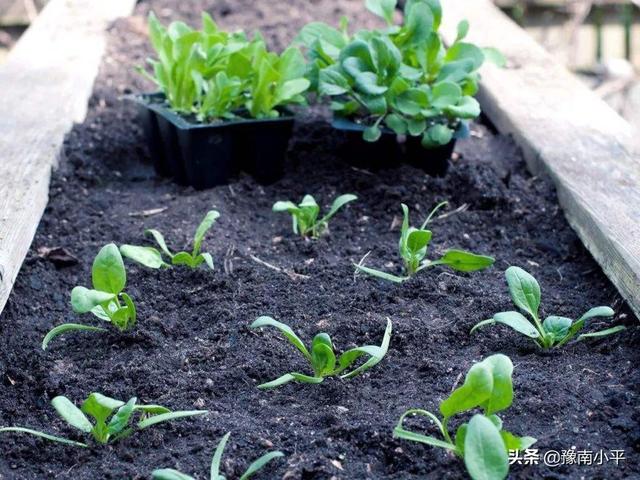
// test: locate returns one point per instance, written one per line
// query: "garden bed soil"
(192, 347)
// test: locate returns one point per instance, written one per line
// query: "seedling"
(106, 300)
(402, 78)
(413, 246)
(152, 257)
(555, 331)
(112, 419)
(322, 357)
(256, 466)
(482, 442)
(305, 214)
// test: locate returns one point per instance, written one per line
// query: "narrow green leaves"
(305, 214)
(463, 261)
(67, 327)
(167, 417)
(46, 436)
(286, 330)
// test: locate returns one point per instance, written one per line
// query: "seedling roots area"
(192, 348)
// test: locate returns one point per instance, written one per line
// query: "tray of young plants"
(340, 323)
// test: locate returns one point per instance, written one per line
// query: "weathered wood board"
(46, 83)
(566, 131)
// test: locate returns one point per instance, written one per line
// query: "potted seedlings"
(222, 103)
(400, 81)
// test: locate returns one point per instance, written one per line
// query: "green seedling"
(482, 442)
(152, 257)
(413, 246)
(554, 331)
(322, 357)
(402, 78)
(305, 214)
(112, 419)
(255, 467)
(106, 300)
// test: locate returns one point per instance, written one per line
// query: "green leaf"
(513, 442)
(557, 327)
(207, 258)
(286, 330)
(260, 463)
(437, 135)
(419, 24)
(217, 457)
(169, 474)
(147, 256)
(108, 273)
(337, 204)
(467, 108)
(396, 123)
(376, 354)
(159, 238)
(184, 258)
(282, 206)
(84, 300)
(322, 357)
(290, 377)
(71, 414)
(207, 222)
(46, 436)
(602, 333)
(524, 290)
(463, 29)
(597, 312)
(518, 322)
(487, 385)
(418, 240)
(379, 274)
(131, 310)
(463, 261)
(382, 8)
(445, 94)
(67, 327)
(121, 418)
(494, 56)
(372, 133)
(485, 455)
(167, 417)
(400, 432)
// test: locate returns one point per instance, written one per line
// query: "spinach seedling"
(554, 331)
(322, 357)
(305, 214)
(255, 467)
(413, 246)
(482, 442)
(112, 419)
(106, 300)
(152, 258)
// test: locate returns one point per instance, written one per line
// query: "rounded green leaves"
(108, 273)
(485, 454)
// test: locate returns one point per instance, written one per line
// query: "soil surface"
(193, 349)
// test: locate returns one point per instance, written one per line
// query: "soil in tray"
(192, 348)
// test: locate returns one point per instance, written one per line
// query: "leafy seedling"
(482, 442)
(305, 214)
(413, 246)
(255, 467)
(152, 258)
(322, 357)
(112, 419)
(554, 331)
(106, 300)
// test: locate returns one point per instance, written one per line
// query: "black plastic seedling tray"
(204, 155)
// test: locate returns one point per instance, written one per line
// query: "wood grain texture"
(46, 83)
(567, 132)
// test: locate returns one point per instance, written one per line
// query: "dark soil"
(192, 347)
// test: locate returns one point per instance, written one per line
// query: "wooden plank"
(565, 130)
(46, 83)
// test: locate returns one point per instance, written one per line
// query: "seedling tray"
(204, 155)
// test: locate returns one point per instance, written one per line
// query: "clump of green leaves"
(217, 75)
(255, 467)
(112, 419)
(322, 357)
(554, 331)
(403, 78)
(106, 300)
(413, 246)
(305, 214)
(482, 442)
(152, 257)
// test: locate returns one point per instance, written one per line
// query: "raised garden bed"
(193, 349)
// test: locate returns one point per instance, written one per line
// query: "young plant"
(554, 331)
(106, 300)
(322, 357)
(402, 78)
(482, 442)
(413, 246)
(305, 214)
(112, 419)
(152, 257)
(256, 466)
